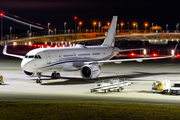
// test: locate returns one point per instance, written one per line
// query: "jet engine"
(90, 71)
(29, 74)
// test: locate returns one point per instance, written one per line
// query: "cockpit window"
(31, 56)
(39, 56)
(26, 56)
(36, 56)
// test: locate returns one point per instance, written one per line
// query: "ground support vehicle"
(175, 89)
(109, 85)
(161, 86)
(1, 79)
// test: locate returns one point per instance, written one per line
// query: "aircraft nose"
(24, 64)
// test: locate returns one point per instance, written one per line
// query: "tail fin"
(110, 38)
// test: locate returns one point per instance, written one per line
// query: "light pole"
(121, 26)
(64, 27)
(99, 25)
(134, 24)
(117, 28)
(136, 27)
(54, 31)
(94, 26)
(30, 30)
(128, 26)
(10, 33)
(75, 18)
(80, 23)
(1, 27)
(167, 28)
(177, 27)
(48, 28)
(145, 26)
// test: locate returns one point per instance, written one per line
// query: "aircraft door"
(48, 57)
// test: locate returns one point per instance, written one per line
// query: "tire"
(58, 75)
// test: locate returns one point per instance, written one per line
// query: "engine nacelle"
(29, 74)
(90, 71)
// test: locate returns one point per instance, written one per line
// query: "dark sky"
(160, 12)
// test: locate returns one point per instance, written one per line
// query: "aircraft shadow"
(72, 80)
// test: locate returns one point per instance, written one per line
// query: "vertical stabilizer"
(110, 38)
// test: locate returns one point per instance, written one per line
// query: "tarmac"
(71, 86)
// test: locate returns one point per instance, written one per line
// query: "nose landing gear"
(39, 78)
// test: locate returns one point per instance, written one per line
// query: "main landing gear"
(55, 75)
(39, 78)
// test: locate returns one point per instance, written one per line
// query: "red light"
(75, 18)
(154, 54)
(178, 55)
(2, 14)
(132, 54)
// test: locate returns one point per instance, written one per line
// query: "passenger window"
(39, 56)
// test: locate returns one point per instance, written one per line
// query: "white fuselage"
(67, 58)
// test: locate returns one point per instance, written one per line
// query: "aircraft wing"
(135, 59)
(5, 52)
(130, 50)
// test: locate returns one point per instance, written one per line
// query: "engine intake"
(90, 71)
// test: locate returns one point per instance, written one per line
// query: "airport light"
(94, 26)
(121, 26)
(80, 23)
(108, 23)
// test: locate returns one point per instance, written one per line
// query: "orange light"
(80, 23)
(146, 24)
(94, 23)
(122, 24)
(134, 24)
(108, 23)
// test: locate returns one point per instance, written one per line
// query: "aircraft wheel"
(58, 75)
(38, 81)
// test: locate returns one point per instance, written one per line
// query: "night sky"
(160, 12)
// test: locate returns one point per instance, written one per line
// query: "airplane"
(87, 59)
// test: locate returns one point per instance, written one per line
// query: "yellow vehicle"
(161, 86)
(1, 79)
